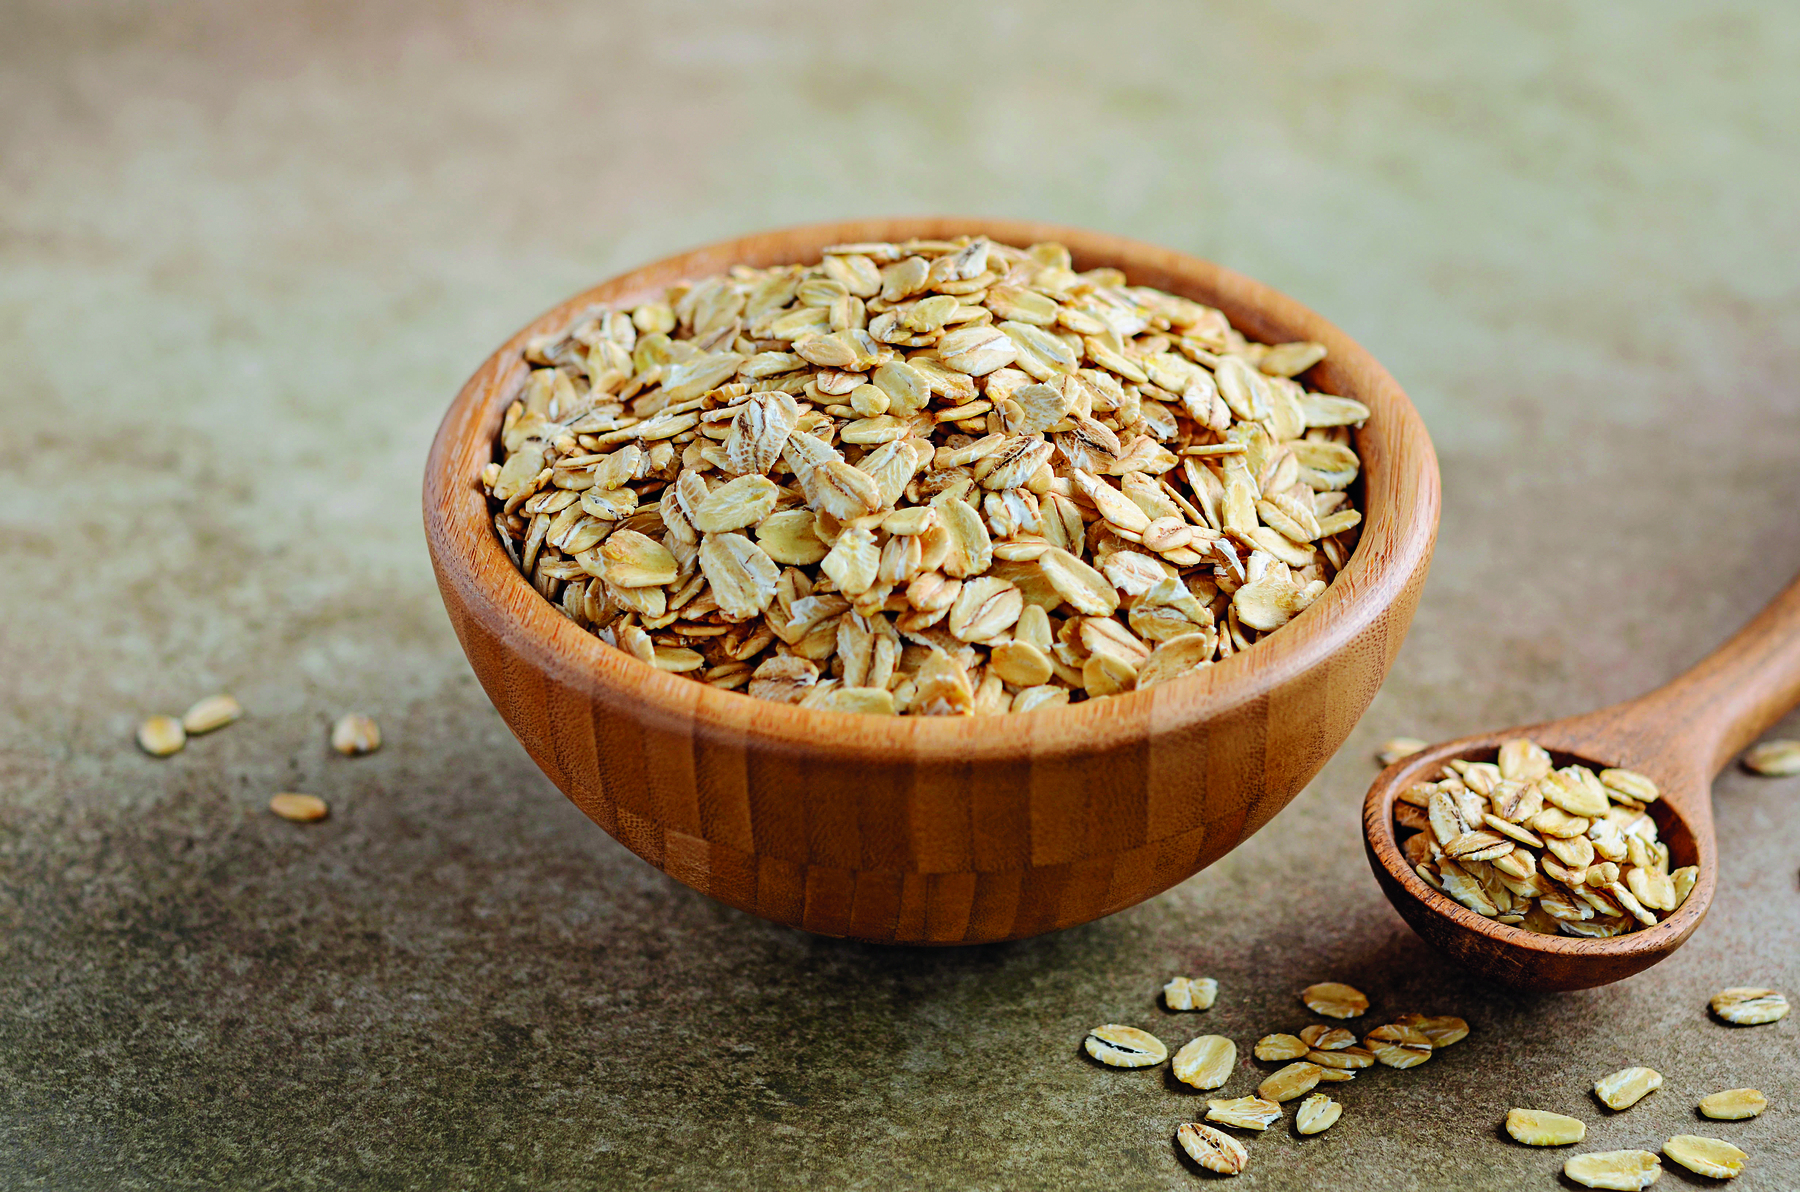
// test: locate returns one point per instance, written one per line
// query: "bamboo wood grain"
(1680, 735)
(938, 830)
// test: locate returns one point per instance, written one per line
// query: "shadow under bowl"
(926, 830)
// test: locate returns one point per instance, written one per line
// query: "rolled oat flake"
(1441, 1029)
(1628, 1086)
(215, 711)
(1705, 1156)
(160, 736)
(1280, 1047)
(1538, 1127)
(1317, 1114)
(1399, 1046)
(1295, 1080)
(299, 808)
(355, 734)
(1212, 1149)
(1395, 748)
(1246, 1113)
(1744, 1006)
(1125, 1046)
(1614, 1169)
(1191, 993)
(1733, 1105)
(1774, 759)
(1335, 1000)
(1206, 1062)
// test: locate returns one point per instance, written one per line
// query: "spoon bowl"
(1678, 736)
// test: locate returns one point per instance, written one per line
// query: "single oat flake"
(160, 736)
(1295, 1080)
(1342, 1058)
(299, 808)
(1395, 748)
(1335, 1000)
(1205, 1062)
(1280, 1047)
(1196, 993)
(355, 734)
(1246, 1113)
(1749, 1007)
(1710, 1157)
(1539, 1127)
(1773, 759)
(1046, 485)
(213, 712)
(1212, 1149)
(1327, 1038)
(1399, 1046)
(1733, 1105)
(1317, 1114)
(1125, 1046)
(1625, 1170)
(1626, 1087)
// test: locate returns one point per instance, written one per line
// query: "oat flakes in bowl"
(944, 829)
(932, 477)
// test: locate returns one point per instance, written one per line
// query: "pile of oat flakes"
(1557, 851)
(933, 478)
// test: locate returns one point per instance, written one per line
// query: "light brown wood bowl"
(937, 830)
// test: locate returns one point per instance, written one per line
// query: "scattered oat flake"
(1205, 1062)
(1626, 1087)
(1395, 748)
(1295, 1080)
(1125, 1046)
(1280, 1047)
(1539, 1127)
(1624, 1170)
(299, 808)
(1327, 1038)
(1710, 1157)
(160, 736)
(1246, 1113)
(215, 711)
(1733, 1105)
(1744, 1006)
(1191, 993)
(1441, 1029)
(355, 734)
(1317, 1114)
(1335, 1000)
(1773, 759)
(1212, 1149)
(1399, 1046)
(1342, 1058)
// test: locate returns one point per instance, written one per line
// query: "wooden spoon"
(1679, 735)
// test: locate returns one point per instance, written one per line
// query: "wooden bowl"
(928, 830)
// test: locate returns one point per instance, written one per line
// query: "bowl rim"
(1400, 483)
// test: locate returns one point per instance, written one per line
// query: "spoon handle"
(1727, 699)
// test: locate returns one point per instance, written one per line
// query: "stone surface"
(247, 253)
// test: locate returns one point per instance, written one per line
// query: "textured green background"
(248, 252)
